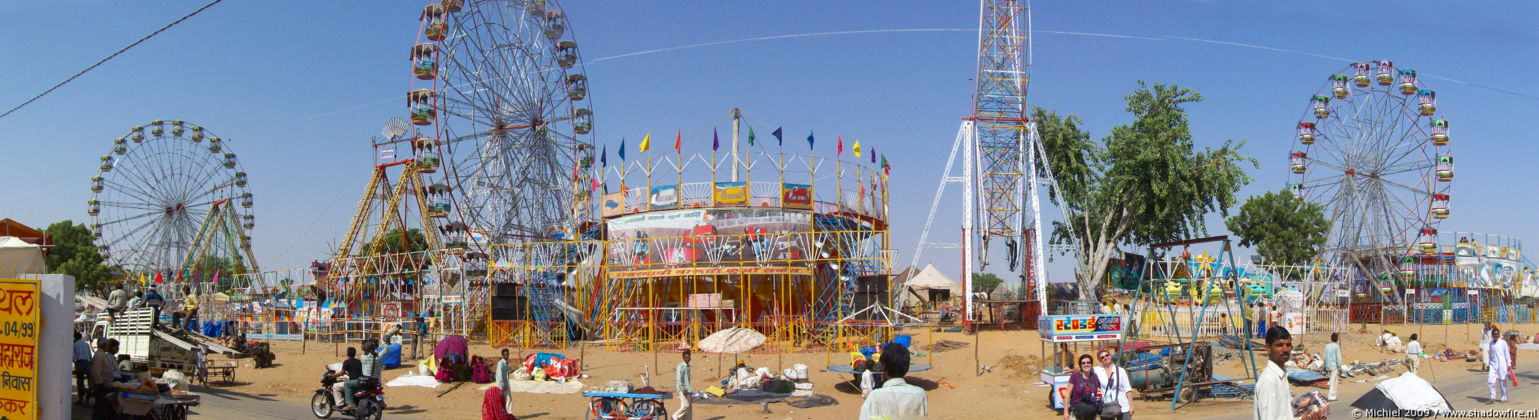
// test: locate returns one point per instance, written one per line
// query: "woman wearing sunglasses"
(1084, 392)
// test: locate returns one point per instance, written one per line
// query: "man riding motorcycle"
(372, 368)
(352, 368)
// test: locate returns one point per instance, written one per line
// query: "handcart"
(625, 406)
(155, 406)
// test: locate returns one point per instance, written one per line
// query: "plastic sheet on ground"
(816, 400)
(541, 387)
(1411, 392)
(744, 396)
(1528, 346)
(732, 340)
(413, 379)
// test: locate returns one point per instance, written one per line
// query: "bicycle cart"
(155, 406)
(625, 406)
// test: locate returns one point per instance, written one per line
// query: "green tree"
(74, 254)
(985, 282)
(392, 243)
(1284, 230)
(1144, 183)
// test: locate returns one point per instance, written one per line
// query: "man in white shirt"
(1501, 363)
(1274, 400)
(504, 375)
(117, 300)
(1413, 354)
(681, 377)
(896, 399)
(1485, 347)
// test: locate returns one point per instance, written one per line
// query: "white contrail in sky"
(924, 30)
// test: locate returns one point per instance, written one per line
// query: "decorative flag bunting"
(715, 140)
(622, 149)
(839, 146)
(604, 155)
(778, 141)
(678, 142)
(158, 280)
(646, 143)
(856, 148)
(750, 135)
(809, 139)
(886, 169)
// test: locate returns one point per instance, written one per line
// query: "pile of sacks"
(793, 380)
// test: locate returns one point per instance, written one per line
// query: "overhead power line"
(104, 60)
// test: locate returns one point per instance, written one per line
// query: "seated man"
(352, 368)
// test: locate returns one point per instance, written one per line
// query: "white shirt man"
(1501, 361)
(896, 400)
(1413, 354)
(1274, 400)
(1485, 346)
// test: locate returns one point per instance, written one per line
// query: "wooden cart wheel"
(1188, 395)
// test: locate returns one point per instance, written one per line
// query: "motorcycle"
(370, 400)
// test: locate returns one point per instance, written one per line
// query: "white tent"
(930, 279)
(18, 257)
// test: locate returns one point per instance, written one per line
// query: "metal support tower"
(1000, 156)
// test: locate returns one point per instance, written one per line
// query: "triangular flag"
(622, 149)
(678, 142)
(157, 278)
(839, 146)
(604, 156)
(873, 155)
(856, 148)
(809, 139)
(142, 280)
(750, 135)
(778, 141)
(715, 140)
(595, 184)
(646, 143)
(216, 276)
(886, 169)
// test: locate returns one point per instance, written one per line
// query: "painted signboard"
(1071, 328)
(19, 333)
(716, 238)
(613, 204)
(730, 193)
(664, 197)
(796, 196)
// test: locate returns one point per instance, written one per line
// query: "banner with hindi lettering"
(19, 332)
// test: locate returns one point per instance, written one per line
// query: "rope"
(115, 54)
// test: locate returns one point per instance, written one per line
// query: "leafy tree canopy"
(1284, 230)
(985, 282)
(392, 243)
(1144, 183)
(74, 253)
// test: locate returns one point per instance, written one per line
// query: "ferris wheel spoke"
(131, 205)
(137, 181)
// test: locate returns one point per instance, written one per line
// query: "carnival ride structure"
(785, 243)
(1373, 147)
(171, 202)
(1002, 159)
(1186, 327)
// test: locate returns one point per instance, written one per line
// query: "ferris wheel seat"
(1427, 109)
(1340, 92)
(1407, 88)
(1360, 81)
(1385, 79)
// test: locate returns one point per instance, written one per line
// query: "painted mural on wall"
(1491, 266)
(710, 241)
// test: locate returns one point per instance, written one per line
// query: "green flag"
(750, 135)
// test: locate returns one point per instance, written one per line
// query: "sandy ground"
(955, 389)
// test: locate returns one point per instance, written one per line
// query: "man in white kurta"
(1274, 400)
(1485, 347)
(1501, 361)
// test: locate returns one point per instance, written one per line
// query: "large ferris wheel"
(155, 190)
(1373, 148)
(500, 84)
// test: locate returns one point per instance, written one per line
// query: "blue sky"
(300, 87)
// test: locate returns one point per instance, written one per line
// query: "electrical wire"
(110, 57)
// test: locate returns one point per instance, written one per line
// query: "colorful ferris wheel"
(1373, 147)
(500, 87)
(155, 190)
